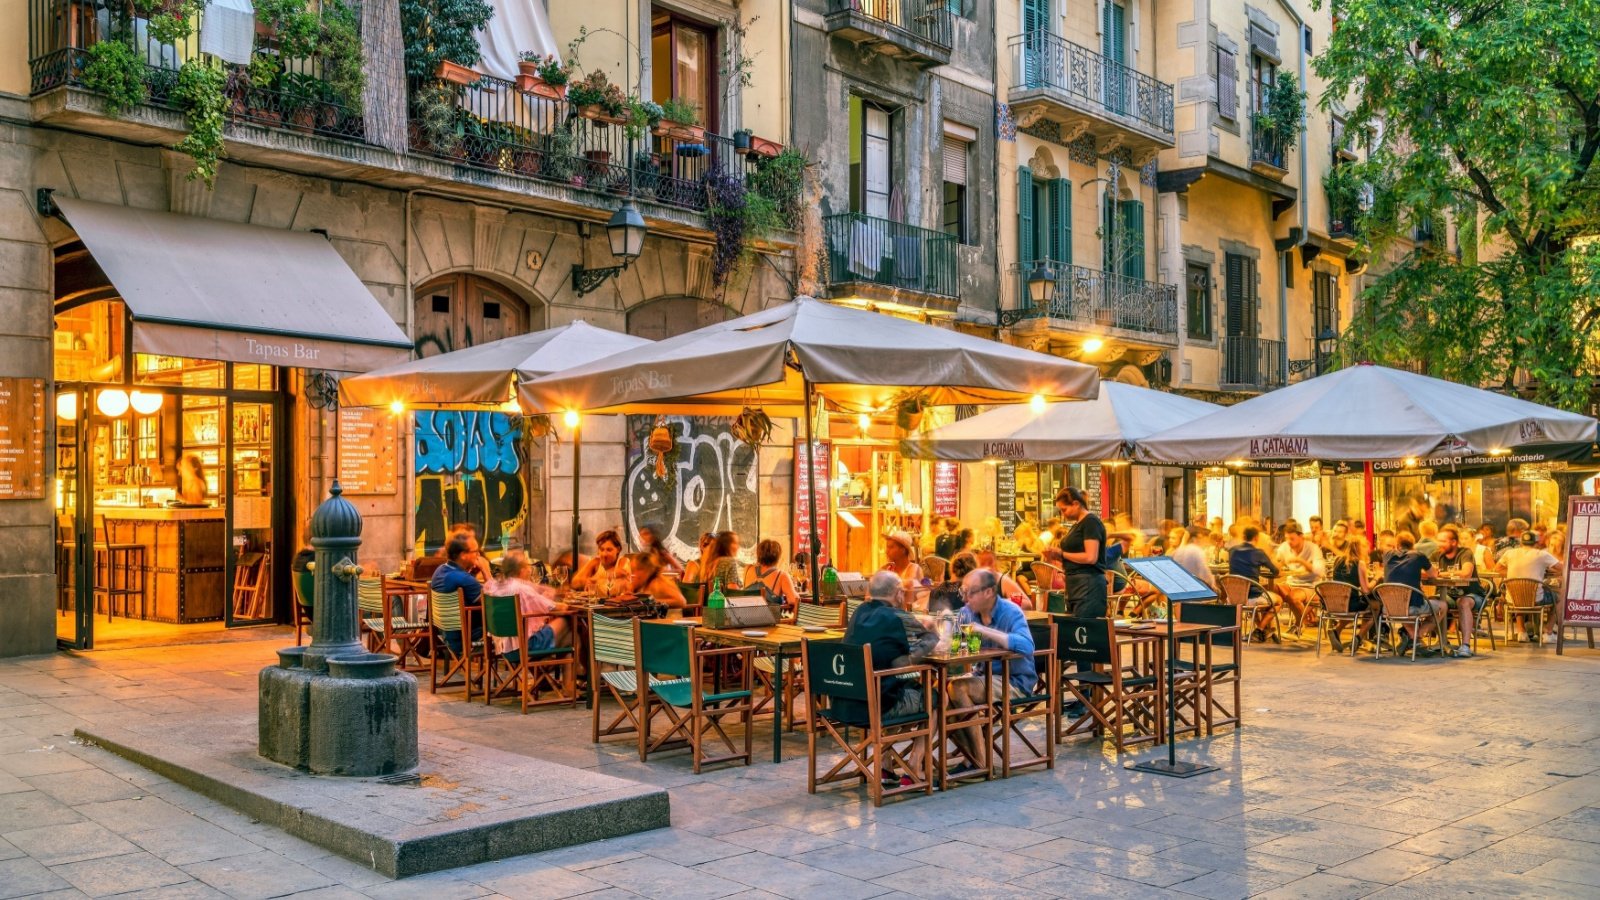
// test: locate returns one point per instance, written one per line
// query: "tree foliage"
(1485, 113)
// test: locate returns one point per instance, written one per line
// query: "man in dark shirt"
(461, 554)
(1408, 567)
(1252, 562)
(879, 623)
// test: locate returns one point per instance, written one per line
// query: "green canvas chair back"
(664, 649)
(813, 615)
(369, 596)
(850, 607)
(1041, 632)
(1221, 615)
(613, 643)
(839, 670)
(445, 610)
(1056, 602)
(305, 588)
(1085, 641)
(500, 616)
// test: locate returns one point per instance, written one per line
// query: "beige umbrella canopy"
(485, 375)
(856, 359)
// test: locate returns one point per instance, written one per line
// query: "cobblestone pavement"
(1351, 778)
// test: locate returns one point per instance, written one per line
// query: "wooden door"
(464, 310)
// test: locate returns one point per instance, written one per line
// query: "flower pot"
(327, 117)
(527, 68)
(456, 73)
(532, 84)
(680, 131)
(265, 116)
(763, 147)
(599, 163)
(302, 119)
(527, 162)
(741, 141)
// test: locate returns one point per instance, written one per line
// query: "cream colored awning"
(209, 289)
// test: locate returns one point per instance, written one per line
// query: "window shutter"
(1252, 302)
(955, 160)
(1265, 43)
(1061, 221)
(1108, 234)
(1227, 85)
(1035, 15)
(1024, 215)
(1234, 288)
(1133, 239)
(1113, 43)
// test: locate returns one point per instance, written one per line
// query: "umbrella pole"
(1188, 490)
(1366, 498)
(577, 474)
(811, 502)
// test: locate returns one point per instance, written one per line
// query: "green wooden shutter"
(1108, 234)
(1113, 32)
(1061, 221)
(1235, 299)
(1133, 239)
(1024, 216)
(1035, 15)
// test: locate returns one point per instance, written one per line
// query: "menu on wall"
(1580, 589)
(21, 438)
(1006, 495)
(811, 487)
(946, 489)
(368, 451)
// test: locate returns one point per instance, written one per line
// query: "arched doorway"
(672, 316)
(461, 310)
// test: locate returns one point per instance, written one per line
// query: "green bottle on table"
(716, 600)
(830, 582)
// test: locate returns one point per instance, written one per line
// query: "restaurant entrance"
(171, 488)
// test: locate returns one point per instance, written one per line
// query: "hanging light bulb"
(864, 422)
(571, 418)
(1037, 404)
(112, 403)
(67, 406)
(146, 402)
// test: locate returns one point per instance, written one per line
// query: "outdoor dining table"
(777, 641)
(948, 668)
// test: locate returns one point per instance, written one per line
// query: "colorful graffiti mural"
(714, 488)
(469, 469)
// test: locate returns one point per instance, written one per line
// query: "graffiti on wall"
(714, 487)
(468, 468)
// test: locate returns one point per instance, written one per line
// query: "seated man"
(878, 622)
(532, 600)
(1527, 560)
(1408, 567)
(1302, 563)
(1456, 561)
(998, 625)
(1252, 562)
(461, 560)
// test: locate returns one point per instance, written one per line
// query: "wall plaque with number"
(21, 438)
(368, 454)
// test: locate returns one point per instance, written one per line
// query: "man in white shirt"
(1527, 559)
(1302, 565)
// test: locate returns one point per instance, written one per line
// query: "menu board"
(946, 489)
(811, 487)
(21, 438)
(1580, 589)
(368, 454)
(1006, 495)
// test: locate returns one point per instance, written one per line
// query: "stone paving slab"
(474, 804)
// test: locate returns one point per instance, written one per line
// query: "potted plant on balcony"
(646, 171)
(199, 93)
(114, 70)
(343, 59)
(741, 141)
(543, 75)
(642, 117)
(1280, 116)
(260, 99)
(299, 96)
(435, 122)
(526, 158)
(780, 180)
(560, 155)
(760, 146)
(680, 120)
(598, 100)
(170, 22)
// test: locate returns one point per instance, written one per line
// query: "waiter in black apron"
(1083, 549)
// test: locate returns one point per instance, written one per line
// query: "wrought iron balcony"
(1059, 80)
(61, 33)
(1251, 364)
(881, 259)
(492, 126)
(921, 31)
(1101, 302)
(1267, 152)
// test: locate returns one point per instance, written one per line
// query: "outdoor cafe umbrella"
(1106, 428)
(1365, 413)
(780, 359)
(485, 377)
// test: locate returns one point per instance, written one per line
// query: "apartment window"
(1197, 285)
(684, 64)
(1324, 304)
(1044, 219)
(958, 141)
(1243, 312)
(871, 158)
(1263, 73)
(1122, 237)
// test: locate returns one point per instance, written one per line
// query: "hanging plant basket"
(752, 427)
(456, 73)
(664, 446)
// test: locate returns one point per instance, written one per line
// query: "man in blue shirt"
(456, 575)
(999, 624)
(1408, 567)
(1253, 563)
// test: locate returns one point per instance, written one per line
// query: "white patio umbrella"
(1105, 428)
(781, 359)
(486, 377)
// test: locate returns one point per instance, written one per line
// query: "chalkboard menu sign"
(811, 487)
(368, 451)
(1006, 495)
(946, 489)
(21, 438)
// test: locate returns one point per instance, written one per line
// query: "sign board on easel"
(1580, 582)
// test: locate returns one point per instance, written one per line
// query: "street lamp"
(626, 232)
(1328, 337)
(1041, 285)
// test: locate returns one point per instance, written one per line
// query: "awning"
(239, 293)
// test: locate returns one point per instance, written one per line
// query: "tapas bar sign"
(368, 455)
(21, 438)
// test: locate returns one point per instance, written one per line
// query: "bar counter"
(185, 551)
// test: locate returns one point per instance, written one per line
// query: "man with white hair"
(878, 622)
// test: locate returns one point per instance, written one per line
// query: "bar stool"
(119, 572)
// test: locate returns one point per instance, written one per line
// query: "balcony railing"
(1266, 148)
(1044, 60)
(62, 31)
(490, 125)
(865, 249)
(1097, 299)
(928, 20)
(1251, 363)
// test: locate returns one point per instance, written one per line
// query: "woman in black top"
(1083, 552)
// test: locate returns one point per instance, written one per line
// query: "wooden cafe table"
(948, 718)
(1156, 631)
(780, 642)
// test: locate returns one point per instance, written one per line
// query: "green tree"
(1485, 113)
